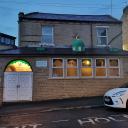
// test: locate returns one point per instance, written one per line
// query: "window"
(47, 35)
(12, 42)
(102, 38)
(72, 68)
(113, 70)
(86, 68)
(18, 66)
(57, 67)
(2, 40)
(100, 67)
(7, 41)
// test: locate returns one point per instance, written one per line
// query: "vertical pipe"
(91, 30)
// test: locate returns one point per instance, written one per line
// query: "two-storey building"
(63, 56)
(7, 41)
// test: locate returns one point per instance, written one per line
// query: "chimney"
(20, 15)
(125, 28)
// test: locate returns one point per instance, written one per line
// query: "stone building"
(63, 56)
(7, 41)
(125, 28)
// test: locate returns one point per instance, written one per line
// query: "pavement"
(51, 105)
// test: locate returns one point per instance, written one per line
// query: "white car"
(117, 97)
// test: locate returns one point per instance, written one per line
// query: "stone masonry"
(46, 88)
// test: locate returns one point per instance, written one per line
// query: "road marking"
(82, 123)
(25, 126)
(97, 120)
(58, 121)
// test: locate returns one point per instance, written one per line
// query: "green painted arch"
(12, 65)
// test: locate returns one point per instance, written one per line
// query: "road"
(69, 118)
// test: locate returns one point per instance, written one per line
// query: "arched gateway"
(18, 77)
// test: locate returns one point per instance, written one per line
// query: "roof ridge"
(67, 14)
(69, 17)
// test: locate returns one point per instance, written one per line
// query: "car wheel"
(127, 104)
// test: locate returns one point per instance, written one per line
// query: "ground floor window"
(100, 67)
(113, 69)
(85, 68)
(57, 67)
(71, 68)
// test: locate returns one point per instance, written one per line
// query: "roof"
(34, 52)
(68, 17)
(8, 36)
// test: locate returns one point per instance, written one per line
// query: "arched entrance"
(18, 77)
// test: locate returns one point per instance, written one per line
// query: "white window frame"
(52, 67)
(109, 67)
(74, 67)
(52, 35)
(101, 67)
(79, 66)
(86, 67)
(106, 27)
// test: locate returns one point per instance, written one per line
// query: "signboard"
(41, 63)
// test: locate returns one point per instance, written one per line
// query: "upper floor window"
(2, 39)
(7, 41)
(102, 36)
(47, 35)
(12, 42)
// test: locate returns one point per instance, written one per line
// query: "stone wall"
(30, 33)
(125, 28)
(59, 89)
(45, 88)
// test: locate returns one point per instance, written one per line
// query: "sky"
(9, 10)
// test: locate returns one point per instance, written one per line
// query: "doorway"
(18, 77)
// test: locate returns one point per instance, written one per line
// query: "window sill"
(47, 44)
(84, 78)
(108, 46)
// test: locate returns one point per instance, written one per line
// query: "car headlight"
(120, 93)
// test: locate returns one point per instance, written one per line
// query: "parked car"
(117, 97)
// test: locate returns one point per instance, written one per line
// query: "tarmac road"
(96, 117)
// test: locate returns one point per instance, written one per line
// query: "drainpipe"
(91, 30)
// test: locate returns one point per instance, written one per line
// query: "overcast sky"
(9, 10)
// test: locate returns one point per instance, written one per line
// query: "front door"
(17, 86)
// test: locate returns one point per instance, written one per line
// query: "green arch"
(22, 61)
